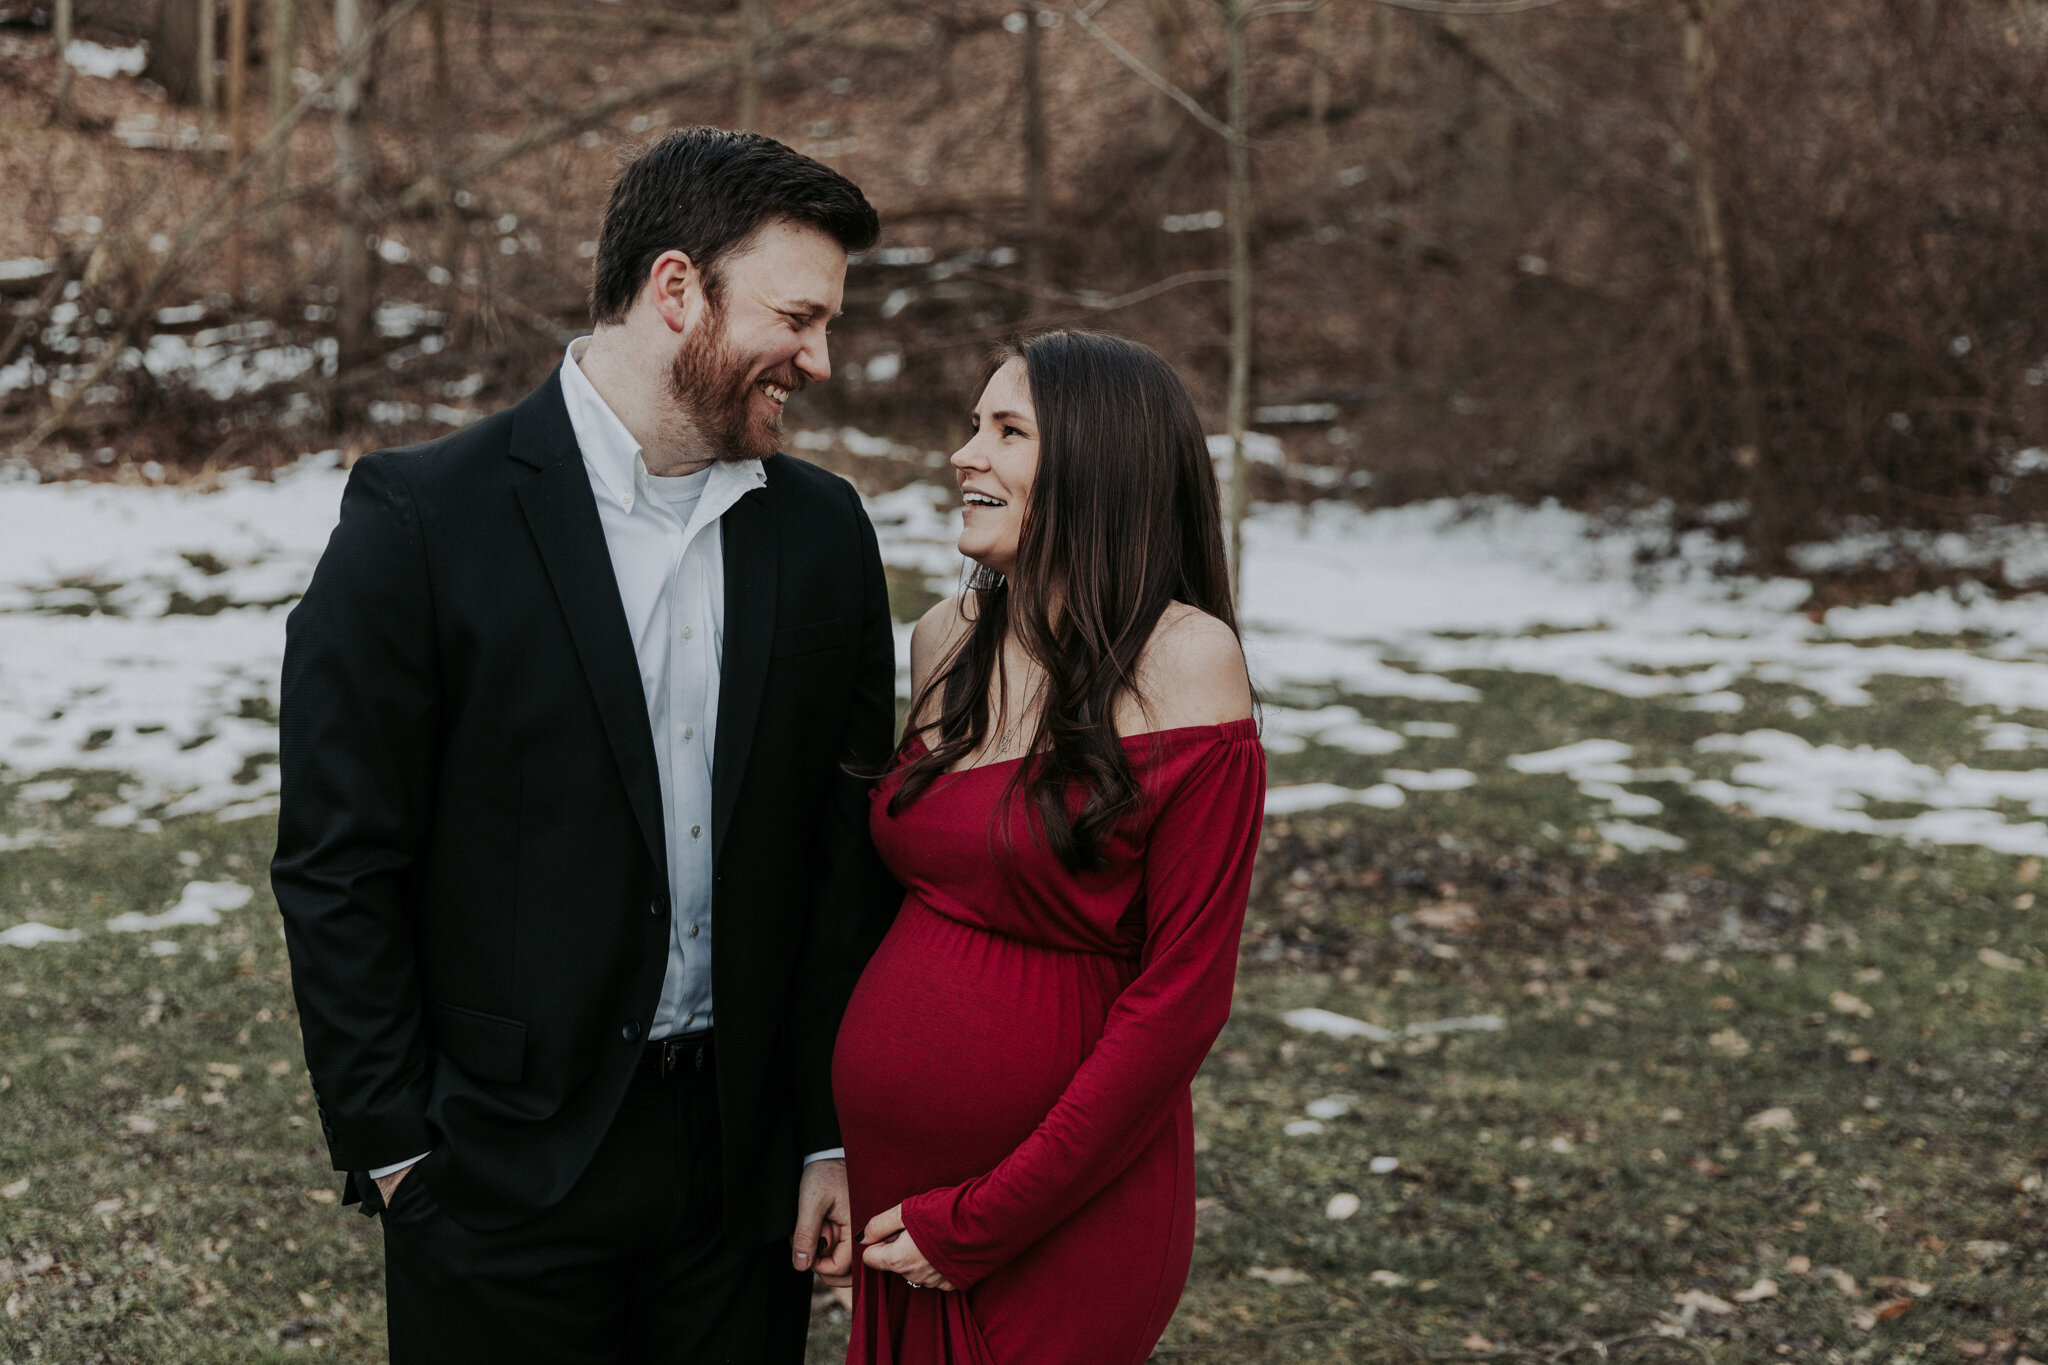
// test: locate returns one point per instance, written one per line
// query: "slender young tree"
(1322, 46)
(1036, 273)
(60, 33)
(283, 60)
(238, 71)
(208, 84)
(351, 182)
(1698, 39)
(754, 23)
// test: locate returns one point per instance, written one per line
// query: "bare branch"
(645, 21)
(1469, 6)
(1147, 74)
(1421, 6)
(1285, 7)
(1084, 311)
(816, 24)
(188, 235)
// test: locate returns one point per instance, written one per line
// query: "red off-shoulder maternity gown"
(1014, 1065)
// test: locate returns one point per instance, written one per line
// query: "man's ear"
(675, 290)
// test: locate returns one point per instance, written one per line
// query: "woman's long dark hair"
(1122, 520)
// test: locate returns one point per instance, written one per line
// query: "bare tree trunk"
(1321, 47)
(1239, 398)
(754, 24)
(174, 49)
(437, 29)
(238, 70)
(1714, 262)
(1386, 75)
(351, 177)
(208, 82)
(60, 33)
(1166, 35)
(284, 57)
(1036, 275)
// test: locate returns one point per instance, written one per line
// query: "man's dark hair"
(704, 191)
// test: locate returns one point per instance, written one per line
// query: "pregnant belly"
(955, 1046)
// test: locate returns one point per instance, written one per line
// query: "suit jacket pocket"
(809, 638)
(487, 1046)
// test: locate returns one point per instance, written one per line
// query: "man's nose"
(815, 359)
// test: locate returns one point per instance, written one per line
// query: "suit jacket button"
(658, 906)
(630, 1030)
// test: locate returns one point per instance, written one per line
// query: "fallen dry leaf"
(1388, 1279)
(2000, 962)
(1845, 1003)
(1778, 1119)
(1799, 1265)
(1280, 1275)
(1894, 1309)
(1342, 1206)
(1704, 1302)
(225, 1070)
(1758, 1292)
(1475, 1342)
(1452, 917)
(1728, 1042)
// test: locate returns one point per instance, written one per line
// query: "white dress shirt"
(668, 558)
(667, 555)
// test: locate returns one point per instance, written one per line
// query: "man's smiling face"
(759, 338)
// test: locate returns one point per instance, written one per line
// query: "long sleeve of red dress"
(1198, 867)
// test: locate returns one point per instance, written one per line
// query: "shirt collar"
(614, 456)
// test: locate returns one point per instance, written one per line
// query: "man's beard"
(714, 388)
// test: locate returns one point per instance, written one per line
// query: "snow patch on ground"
(141, 630)
(94, 59)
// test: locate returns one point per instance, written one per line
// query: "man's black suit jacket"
(471, 863)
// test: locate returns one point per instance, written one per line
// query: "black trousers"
(630, 1269)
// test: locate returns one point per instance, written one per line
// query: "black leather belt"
(680, 1052)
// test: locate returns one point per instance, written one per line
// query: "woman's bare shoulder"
(940, 628)
(1192, 671)
(936, 635)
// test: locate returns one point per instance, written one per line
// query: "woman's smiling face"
(996, 468)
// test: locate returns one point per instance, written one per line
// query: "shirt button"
(686, 632)
(696, 831)
(693, 931)
(688, 731)
(630, 1030)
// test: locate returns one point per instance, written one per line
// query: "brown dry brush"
(1787, 257)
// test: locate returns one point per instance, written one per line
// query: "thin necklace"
(1009, 735)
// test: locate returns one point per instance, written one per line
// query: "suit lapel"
(561, 512)
(748, 533)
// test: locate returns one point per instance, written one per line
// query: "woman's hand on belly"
(890, 1248)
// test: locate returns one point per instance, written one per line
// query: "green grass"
(1559, 1184)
